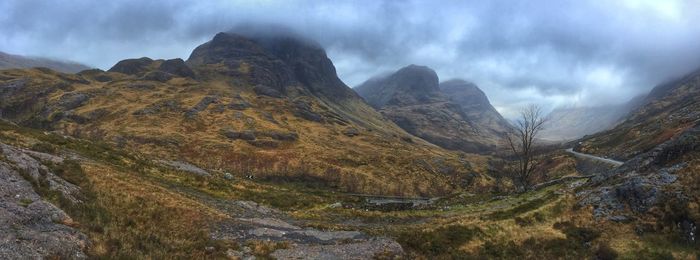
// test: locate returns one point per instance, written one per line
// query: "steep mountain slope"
(9, 61)
(411, 97)
(270, 107)
(658, 183)
(475, 105)
(666, 112)
(575, 122)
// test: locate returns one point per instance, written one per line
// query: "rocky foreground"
(31, 227)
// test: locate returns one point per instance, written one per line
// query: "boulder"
(177, 67)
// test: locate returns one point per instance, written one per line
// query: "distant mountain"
(575, 122)
(413, 99)
(9, 61)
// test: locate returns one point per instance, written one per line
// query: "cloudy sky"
(554, 53)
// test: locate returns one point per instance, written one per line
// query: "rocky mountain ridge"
(453, 115)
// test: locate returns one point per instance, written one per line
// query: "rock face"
(476, 106)
(412, 98)
(176, 67)
(410, 85)
(9, 61)
(274, 63)
(29, 226)
(156, 70)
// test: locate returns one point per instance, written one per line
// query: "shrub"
(604, 252)
(582, 234)
(44, 147)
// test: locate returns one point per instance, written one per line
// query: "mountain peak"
(412, 84)
(417, 78)
(464, 92)
(279, 60)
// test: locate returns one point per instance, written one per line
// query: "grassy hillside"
(198, 121)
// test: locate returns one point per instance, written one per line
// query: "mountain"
(575, 122)
(666, 112)
(659, 143)
(9, 61)
(267, 106)
(411, 97)
(475, 105)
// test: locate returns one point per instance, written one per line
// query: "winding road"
(593, 157)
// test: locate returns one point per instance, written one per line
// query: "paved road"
(592, 157)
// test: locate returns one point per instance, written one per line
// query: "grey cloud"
(547, 52)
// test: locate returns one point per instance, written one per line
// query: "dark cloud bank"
(548, 52)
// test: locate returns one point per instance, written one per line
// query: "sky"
(552, 53)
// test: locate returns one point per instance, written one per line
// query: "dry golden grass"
(377, 161)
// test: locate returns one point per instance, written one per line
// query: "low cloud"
(551, 53)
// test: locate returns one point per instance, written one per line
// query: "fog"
(553, 53)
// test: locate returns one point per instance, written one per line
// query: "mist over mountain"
(535, 53)
(9, 61)
(565, 124)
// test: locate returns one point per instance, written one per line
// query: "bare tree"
(521, 142)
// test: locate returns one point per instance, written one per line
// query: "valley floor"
(118, 204)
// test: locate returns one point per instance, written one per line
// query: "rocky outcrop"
(201, 105)
(176, 67)
(72, 100)
(29, 226)
(132, 66)
(155, 70)
(639, 184)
